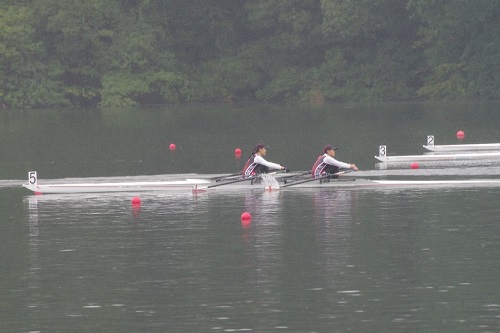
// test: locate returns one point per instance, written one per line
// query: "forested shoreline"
(116, 53)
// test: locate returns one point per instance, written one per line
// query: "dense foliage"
(129, 52)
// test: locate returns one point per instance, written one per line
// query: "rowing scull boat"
(206, 185)
(359, 183)
(463, 147)
(174, 185)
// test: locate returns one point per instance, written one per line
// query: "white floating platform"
(382, 157)
(465, 147)
(439, 157)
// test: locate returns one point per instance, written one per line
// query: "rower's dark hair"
(254, 151)
(257, 148)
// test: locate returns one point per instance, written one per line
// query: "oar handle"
(225, 177)
(235, 181)
(218, 179)
(343, 172)
(301, 173)
(306, 181)
(328, 175)
(244, 179)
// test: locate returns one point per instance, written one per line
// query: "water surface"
(362, 260)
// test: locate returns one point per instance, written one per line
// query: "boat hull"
(248, 186)
(264, 182)
(358, 183)
(178, 185)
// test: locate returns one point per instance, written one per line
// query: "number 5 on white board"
(32, 177)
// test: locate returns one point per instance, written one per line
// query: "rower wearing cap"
(257, 164)
(327, 164)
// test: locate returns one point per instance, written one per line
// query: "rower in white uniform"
(257, 164)
(327, 164)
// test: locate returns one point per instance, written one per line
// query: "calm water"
(398, 260)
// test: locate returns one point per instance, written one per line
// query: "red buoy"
(237, 151)
(460, 134)
(414, 165)
(136, 201)
(172, 146)
(246, 220)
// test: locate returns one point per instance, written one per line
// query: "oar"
(234, 181)
(301, 173)
(218, 179)
(243, 179)
(319, 178)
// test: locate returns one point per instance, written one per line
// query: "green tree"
(138, 69)
(29, 77)
(206, 37)
(461, 41)
(77, 33)
(114, 53)
(129, 52)
(288, 43)
(370, 54)
(202, 30)
(279, 41)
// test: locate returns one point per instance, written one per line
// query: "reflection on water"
(33, 262)
(387, 260)
(364, 260)
(322, 260)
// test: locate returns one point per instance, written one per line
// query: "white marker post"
(382, 151)
(32, 179)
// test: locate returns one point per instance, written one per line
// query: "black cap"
(258, 147)
(329, 147)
